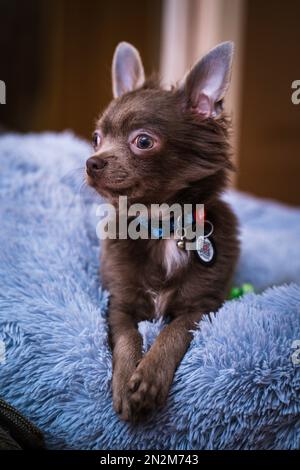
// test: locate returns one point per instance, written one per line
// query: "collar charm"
(181, 243)
(206, 250)
(205, 246)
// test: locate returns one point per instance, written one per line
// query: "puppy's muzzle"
(95, 165)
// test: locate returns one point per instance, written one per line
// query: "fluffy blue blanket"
(236, 388)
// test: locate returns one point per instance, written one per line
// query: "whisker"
(83, 194)
(74, 179)
(88, 193)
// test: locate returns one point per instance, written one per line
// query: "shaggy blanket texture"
(236, 388)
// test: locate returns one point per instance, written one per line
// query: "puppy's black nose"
(94, 165)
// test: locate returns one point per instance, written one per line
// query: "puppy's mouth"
(111, 187)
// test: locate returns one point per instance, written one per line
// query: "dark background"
(56, 58)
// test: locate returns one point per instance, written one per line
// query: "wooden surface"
(56, 60)
(57, 64)
(269, 160)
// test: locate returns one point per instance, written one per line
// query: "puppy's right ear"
(205, 85)
(127, 69)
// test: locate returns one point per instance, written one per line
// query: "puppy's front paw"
(120, 395)
(148, 388)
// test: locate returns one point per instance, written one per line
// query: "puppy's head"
(150, 143)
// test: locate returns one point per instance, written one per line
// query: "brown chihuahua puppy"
(162, 146)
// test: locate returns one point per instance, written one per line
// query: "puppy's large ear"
(205, 85)
(127, 69)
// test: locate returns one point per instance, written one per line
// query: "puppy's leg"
(150, 382)
(127, 352)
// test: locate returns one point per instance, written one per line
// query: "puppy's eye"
(96, 139)
(144, 142)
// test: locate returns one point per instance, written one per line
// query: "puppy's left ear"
(127, 69)
(205, 85)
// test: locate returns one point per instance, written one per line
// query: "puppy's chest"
(168, 264)
(173, 259)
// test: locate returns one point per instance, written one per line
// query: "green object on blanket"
(236, 292)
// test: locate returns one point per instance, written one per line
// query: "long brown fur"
(191, 166)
